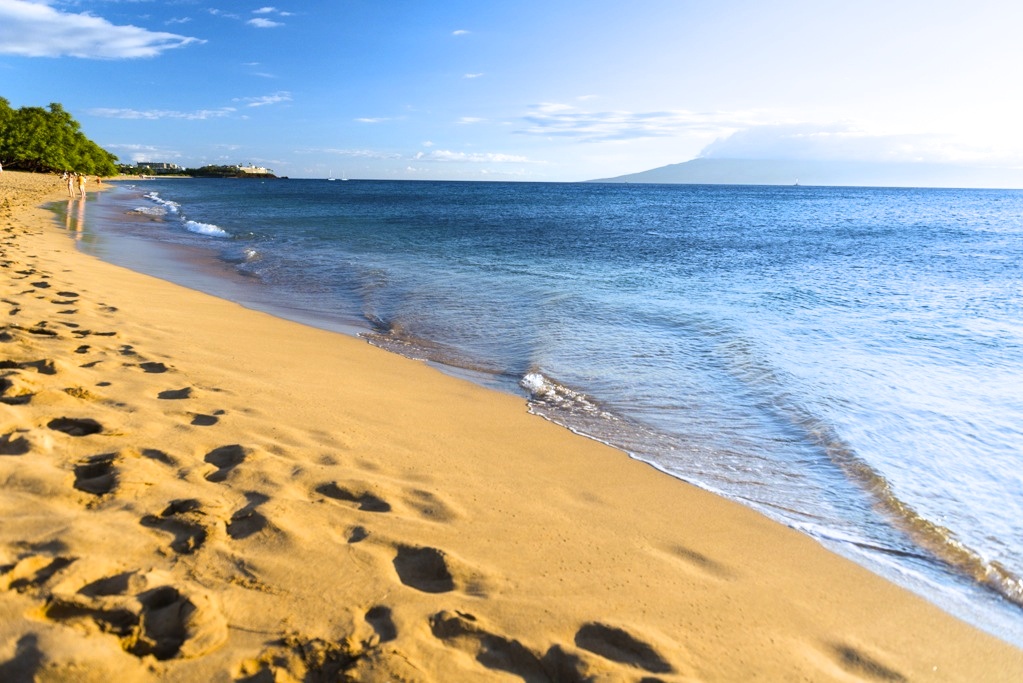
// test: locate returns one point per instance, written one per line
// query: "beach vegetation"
(48, 140)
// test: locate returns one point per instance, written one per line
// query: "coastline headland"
(196, 491)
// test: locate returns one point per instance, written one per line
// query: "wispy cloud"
(158, 114)
(567, 121)
(262, 22)
(221, 13)
(35, 29)
(460, 32)
(355, 153)
(472, 76)
(259, 22)
(256, 22)
(470, 119)
(471, 157)
(263, 101)
(137, 152)
(272, 10)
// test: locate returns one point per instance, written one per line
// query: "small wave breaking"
(208, 229)
(165, 206)
(544, 390)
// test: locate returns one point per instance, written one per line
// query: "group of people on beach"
(74, 180)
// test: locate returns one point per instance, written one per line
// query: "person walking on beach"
(70, 178)
(81, 185)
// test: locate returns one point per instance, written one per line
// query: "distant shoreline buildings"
(165, 168)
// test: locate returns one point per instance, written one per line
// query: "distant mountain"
(844, 173)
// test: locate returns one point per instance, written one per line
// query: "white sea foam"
(150, 210)
(544, 389)
(171, 207)
(206, 229)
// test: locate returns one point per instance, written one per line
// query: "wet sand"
(195, 491)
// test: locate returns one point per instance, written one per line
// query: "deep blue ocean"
(848, 361)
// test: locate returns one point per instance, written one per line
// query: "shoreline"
(261, 496)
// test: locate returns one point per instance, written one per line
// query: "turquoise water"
(847, 360)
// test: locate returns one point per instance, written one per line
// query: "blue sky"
(525, 90)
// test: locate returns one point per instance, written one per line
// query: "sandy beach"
(194, 491)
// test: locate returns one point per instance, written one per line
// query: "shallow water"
(847, 360)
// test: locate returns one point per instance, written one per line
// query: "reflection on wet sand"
(74, 217)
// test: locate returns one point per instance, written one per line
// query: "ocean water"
(848, 361)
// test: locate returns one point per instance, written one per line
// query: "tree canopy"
(44, 140)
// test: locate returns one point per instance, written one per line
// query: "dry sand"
(192, 491)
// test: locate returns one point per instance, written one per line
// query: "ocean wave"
(171, 207)
(149, 210)
(206, 229)
(544, 390)
(241, 256)
(938, 541)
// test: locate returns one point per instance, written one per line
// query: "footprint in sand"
(43, 367)
(861, 665)
(32, 572)
(150, 613)
(14, 443)
(75, 426)
(15, 390)
(248, 520)
(97, 475)
(201, 420)
(365, 500)
(175, 394)
(494, 651)
(186, 521)
(225, 458)
(153, 367)
(424, 569)
(430, 506)
(619, 645)
(379, 618)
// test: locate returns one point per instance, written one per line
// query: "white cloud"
(355, 153)
(471, 157)
(137, 152)
(34, 29)
(220, 13)
(460, 32)
(276, 98)
(265, 10)
(263, 23)
(471, 76)
(562, 120)
(839, 142)
(158, 114)
(471, 119)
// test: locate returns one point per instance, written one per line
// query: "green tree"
(46, 140)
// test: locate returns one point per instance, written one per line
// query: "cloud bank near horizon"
(839, 142)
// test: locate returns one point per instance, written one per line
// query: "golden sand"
(193, 491)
